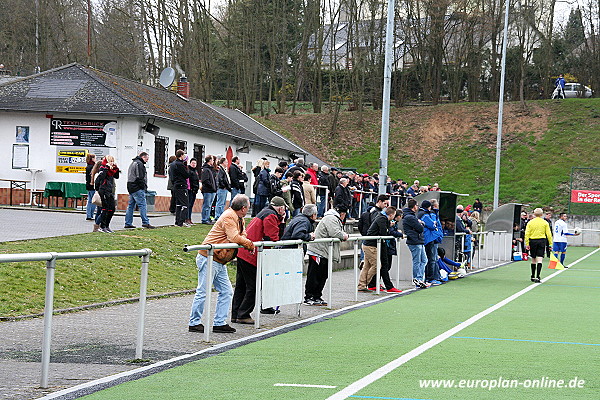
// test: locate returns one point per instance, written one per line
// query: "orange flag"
(554, 263)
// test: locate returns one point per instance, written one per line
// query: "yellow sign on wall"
(73, 169)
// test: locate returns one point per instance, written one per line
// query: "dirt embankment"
(428, 128)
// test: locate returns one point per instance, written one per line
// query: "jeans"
(91, 207)
(222, 285)
(206, 205)
(432, 271)
(138, 198)
(221, 199)
(321, 207)
(260, 202)
(235, 192)
(419, 259)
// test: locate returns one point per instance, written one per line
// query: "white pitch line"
(391, 366)
(303, 385)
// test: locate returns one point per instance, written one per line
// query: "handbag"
(97, 200)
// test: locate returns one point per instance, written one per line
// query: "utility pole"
(385, 109)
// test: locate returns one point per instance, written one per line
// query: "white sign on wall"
(282, 277)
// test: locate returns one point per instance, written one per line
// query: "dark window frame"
(161, 156)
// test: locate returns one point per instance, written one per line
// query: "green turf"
(342, 350)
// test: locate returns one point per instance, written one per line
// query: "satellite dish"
(167, 76)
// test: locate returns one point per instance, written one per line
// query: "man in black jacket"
(413, 230)
(179, 174)
(137, 184)
(342, 196)
(209, 187)
(301, 226)
(238, 177)
(379, 227)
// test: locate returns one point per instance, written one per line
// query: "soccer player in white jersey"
(559, 242)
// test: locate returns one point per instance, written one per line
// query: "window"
(161, 155)
(180, 145)
(199, 153)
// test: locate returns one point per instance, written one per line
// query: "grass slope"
(455, 145)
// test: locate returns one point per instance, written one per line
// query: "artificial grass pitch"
(344, 349)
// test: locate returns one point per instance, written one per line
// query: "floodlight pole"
(501, 110)
(385, 109)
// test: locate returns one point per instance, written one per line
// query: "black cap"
(425, 204)
(340, 208)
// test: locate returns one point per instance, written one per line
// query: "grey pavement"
(27, 223)
(96, 343)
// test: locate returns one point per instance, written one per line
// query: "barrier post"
(355, 270)
(48, 310)
(326, 199)
(208, 299)
(258, 294)
(479, 242)
(398, 263)
(142, 307)
(330, 272)
(378, 274)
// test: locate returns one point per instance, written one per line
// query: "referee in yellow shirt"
(537, 237)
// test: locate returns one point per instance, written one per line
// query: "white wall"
(43, 156)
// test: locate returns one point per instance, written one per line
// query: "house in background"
(50, 120)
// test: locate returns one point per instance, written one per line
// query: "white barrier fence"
(489, 247)
(50, 259)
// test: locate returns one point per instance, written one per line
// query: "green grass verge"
(342, 350)
(92, 280)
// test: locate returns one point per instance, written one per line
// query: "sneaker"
(320, 302)
(129, 227)
(372, 289)
(196, 328)
(224, 329)
(364, 290)
(435, 283)
(148, 226)
(309, 302)
(537, 280)
(394, 290)
(186, 225)
(108, 230)
(89, 219)
(532, 279)
(269, 310)
(247, 321)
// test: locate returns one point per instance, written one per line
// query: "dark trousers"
(245, 290)
(108, 208)
(386, 265)
(181, 201)
(172, 204)
(191, 200)
(316, 276)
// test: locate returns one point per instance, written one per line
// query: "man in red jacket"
(266, 226)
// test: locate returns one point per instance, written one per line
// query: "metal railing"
(50, 258)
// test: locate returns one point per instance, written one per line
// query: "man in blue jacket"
(413, 230)
(430, 235)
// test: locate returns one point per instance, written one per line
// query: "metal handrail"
(51, 258)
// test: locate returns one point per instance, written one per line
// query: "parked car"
(573, 89)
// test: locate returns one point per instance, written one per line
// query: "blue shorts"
(559, 247)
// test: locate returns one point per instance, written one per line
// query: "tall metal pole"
(501, 110)
(37, 36)
(387, 85)
(89, 33)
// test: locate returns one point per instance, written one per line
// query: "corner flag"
(554, 263)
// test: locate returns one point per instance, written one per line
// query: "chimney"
(183, 87)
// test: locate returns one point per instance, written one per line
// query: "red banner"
(585, 196)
